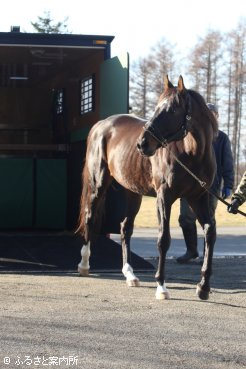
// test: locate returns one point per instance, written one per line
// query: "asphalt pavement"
(56, 251)
(56, 319)
(231, 242)
(64, 321)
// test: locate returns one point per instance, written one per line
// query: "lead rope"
(203, 184)
(164, 144)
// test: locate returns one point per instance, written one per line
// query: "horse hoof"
(162, 293)
(133, 283)
(163, 296)
(83, 272)
(202, 294)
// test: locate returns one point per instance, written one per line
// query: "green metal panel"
(16, 193)
(114, 86)
(79, 135)
(51, 193)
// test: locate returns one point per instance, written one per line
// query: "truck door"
(114, 99)
(114, 86)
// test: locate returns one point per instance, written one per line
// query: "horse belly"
(132, 177)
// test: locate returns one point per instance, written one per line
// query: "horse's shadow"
(180, 278)
(187, 285)
(228, 275)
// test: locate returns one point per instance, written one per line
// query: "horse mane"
(199, 99)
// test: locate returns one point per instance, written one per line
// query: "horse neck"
(188, 145)
(198, 141)
(202, 127)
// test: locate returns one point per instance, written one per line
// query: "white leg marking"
(131, 279)
(84, 266)
(162, 293)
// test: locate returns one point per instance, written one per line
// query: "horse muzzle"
(143, 146)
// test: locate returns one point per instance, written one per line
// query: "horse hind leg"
(131, 279)
(133, 206)
(94, 217)
(92, 231)
(91, 221)
(84, 265)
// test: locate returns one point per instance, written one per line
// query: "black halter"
(176, 136)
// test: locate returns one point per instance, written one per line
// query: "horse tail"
(84, 205)
(95, 177)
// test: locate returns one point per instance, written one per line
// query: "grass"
(147, 215)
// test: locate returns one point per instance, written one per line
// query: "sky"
(137, 25)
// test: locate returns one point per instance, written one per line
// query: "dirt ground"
(57, 319)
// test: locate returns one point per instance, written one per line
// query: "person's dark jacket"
(224, 160)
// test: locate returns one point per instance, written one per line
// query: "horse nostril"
(142, 145)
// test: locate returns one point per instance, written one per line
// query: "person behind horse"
(225, 172)
(239, 196)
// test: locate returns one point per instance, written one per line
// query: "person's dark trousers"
(187, 221)
(190, 237)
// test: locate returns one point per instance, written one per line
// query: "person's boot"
(190, 237)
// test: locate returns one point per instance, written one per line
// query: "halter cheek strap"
(176, 136)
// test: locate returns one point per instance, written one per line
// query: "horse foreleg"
(133, 205)
(84, 265)
(205, 210)
(203, 288)
(163, 243)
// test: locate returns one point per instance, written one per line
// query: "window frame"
(87, 94)
(59, 101)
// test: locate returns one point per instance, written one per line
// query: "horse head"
(169, 122)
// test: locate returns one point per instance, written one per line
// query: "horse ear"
(181, 86)
(167, 83)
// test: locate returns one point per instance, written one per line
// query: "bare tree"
(205, 59)
(139, 87)
(236, 80)
(216, 68)
(163, 63)
(146, 82)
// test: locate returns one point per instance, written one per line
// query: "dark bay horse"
(145, 157)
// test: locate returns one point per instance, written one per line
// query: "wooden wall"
(26, 112)
(25, 115)
(69, 79)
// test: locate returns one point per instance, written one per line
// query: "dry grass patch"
(147, 215)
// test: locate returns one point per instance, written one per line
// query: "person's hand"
(226, 192)
(233, 207)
